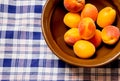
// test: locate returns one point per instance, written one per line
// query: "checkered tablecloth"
(25, 56)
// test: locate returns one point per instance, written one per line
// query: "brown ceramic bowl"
(53, 30)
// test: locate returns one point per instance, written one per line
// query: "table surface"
(25, 56)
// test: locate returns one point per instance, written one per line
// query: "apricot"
(84, 49)
(71, 19)
(110, 34)
(74, 5)
(90, 10)
(71, 36)
(87, 28)
(96, 39)
(106, 17)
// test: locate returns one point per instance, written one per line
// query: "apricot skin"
(87, 28)
(96, 39)
(106, 17)
(72, 19)
(71, 36)
(84, 49)
(89, 11)
(110, 34)
(74, 5)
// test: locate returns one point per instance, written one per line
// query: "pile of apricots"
(83, 20)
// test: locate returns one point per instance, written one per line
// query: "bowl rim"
(46, 17)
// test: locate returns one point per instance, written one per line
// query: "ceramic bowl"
(53, 30)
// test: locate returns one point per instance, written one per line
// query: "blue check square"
(7, 62)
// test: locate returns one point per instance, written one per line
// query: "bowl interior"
(54, 29)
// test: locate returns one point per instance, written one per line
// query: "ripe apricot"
(96, 39)
(72, 36)
(106, 17)
(110, 34)
(87, 28)
(90, 10)
(74, 5)
(72, 19)
(84, 49)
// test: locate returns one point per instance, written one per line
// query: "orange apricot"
(74, 5)
(90, 10)
(72, 19)
(110, 34)
(87, 28)
(72, 36)
(106, 17)
(84, 49)
(96, 39)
